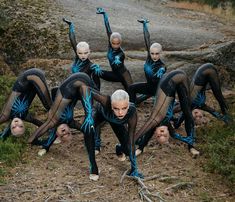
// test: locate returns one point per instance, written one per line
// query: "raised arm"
(106, 20)
(72, 36)
(146, 33)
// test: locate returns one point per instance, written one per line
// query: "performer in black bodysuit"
(206, 74)
(154, 69)
(171, 83)
(30, 83)
(76, 87)
(82, 62)
(122, 116)
(115, 56)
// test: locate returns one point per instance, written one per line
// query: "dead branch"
(90, 192)
(70, 189)
(155, 177)
(143, 190)
(123, 176)
(180, 185)
(168, 178)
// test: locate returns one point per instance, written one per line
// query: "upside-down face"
(63, 132)
(162, 134)
(198, 117)
(17, 127)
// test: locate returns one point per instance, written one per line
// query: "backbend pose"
(82, 62)
(154, 69)
(171, 83)
(115, 56)
(30, 83)
(205, 74)
(120, 113)
(76, 87)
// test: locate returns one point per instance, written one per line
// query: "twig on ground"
(47, 198)
(167, 179)
(143, 190)
(70, 189)
(123, 176)
(180, 185)
(90, 192)
(155, 177)
(18, 190)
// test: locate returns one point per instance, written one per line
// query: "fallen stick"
(144, 190)
(180, 185)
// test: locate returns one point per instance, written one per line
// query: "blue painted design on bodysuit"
(199, 100)
(110, 55)
(51, 138)
(106, 21)
(67, 114)
(221, 117)
(20, 107)
(89, 121)
(189, 139)
(71, 28)
(134, 168)
(117, 60)
(148, 69)
(145, 26)
(160, 72)
(77, 65)
(97, 69)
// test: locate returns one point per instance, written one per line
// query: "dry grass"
(227, 13)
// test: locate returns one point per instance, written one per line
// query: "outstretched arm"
(5, 133)
(225, 118)
(106, 20)
(72, 36)
(146, 33)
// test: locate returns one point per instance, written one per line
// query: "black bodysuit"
(91, 69)
(173, 82)
(116, 59)
(153, 70)
(206, 74)
(30, 83)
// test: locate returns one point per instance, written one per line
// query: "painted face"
(162, 134)
(116, 43)
(83, 53)
(155, 54)
(198, 117)
(17, 127)
(120, 108)
(64, 133)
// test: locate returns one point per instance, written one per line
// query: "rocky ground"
(190, 38)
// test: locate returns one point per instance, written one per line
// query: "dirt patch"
(62, 174)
